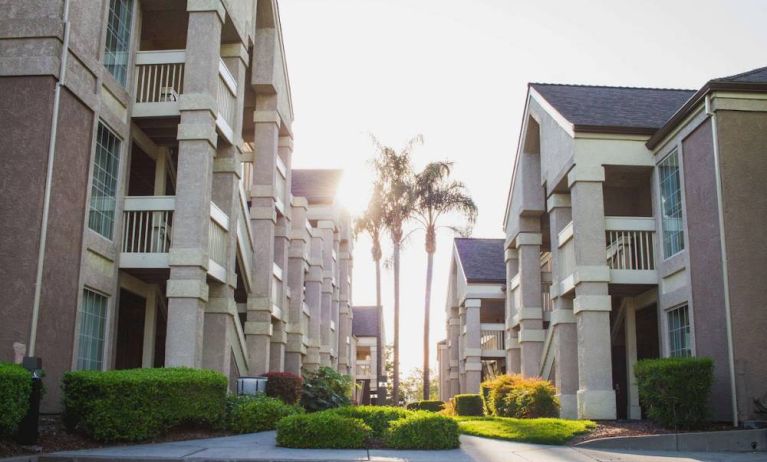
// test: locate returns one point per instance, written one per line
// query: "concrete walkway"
(261, 447)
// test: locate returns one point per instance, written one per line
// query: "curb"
(721, 441)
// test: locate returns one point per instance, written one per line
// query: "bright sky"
(456, 71)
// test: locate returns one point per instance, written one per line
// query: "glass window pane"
(671, 205)
(118, 38)
(679, 332)
(104, 186)
(93, 313)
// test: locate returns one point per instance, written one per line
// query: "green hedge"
(468, 404)
(675, 391)
(423, 430)
(326, 389)
(322, 430)
(519, 397)
(248, 414)
(15, 387)
(426, 405)
(378, 418)
(285, 386)
(136, 404)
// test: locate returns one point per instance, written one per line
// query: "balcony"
(147, 235)
(364, 368)
(159, 83)
(491, 340)
(630, 250)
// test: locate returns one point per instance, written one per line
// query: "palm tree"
(436, 194)
(394, 173)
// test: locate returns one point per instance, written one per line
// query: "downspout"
(49, 182)
(725, 278)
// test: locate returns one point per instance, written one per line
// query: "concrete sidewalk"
(262, 447)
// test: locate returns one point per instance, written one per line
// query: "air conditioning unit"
(251, 386)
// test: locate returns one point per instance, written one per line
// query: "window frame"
(690, 347)
(82, 317)
(128, 41)
(97, 176)
(675, 151)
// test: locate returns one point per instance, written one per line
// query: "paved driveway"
(261, 447)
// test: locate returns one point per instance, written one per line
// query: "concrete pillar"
(345, 311)
(634, 411)
(472, 349)
(326, 312)
(314, 301)
(298, 265)
(592, 305)
(513, 355)
(150, 327)
(562, 318)
(187, 287)
(529, 314)
(453, 336)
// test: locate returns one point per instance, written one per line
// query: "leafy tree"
(435, 196)
(411, 388)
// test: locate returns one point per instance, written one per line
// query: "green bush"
(325, 389)
(424, 430)
(484, 392)
(285, 386)
(494, 393)
(675, 391)
(378, 418)
(15, 387)
(426, 405)
(520, 397)
(322, 430)
(249, 414)
(136, 404)
(467, 404)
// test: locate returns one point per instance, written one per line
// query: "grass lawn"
(542, 431)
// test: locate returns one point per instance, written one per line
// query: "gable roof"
(316, 185)
(753, 76)
(365, 322)
(603, 109)
(482, 260)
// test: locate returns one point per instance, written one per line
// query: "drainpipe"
(726, 284)
(49, 182)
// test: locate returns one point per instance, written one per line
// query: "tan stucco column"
(513, 355)
(344, 310)
(592, 304)
(472, 348)
(529, 314)
(298, 265)
(187, 287)
(562, 317)
(314, 301)
(326, 228)
(629, 319)
(453, 335)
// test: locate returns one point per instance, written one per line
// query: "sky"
(457, 72)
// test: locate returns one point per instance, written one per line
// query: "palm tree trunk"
(427, 308)
(395, 384)
(381, 357)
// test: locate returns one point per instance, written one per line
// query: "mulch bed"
(53, 438)
(616, 428)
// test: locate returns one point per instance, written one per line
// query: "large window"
(679, 332)
(106, 165)
(93, 315)
(671, 205)
(118, 38)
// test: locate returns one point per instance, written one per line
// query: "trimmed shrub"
(468, 405)
(423, 430)
(531, 398)
(136, 404)
(325, 389)
(675, 391)
(322, 430)
(15, 387)
(484, 392)
(285, 386)
(248, 414)
(497, 390)
(378, 418)
(426, 405)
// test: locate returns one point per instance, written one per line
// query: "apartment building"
(633, 229)
(369, 341)
(147, 211)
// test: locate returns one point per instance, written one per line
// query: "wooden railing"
(159, 75)
(227, 101)
(491, 336)
(630, 243)
(146, 231)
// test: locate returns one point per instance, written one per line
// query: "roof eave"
(614, 130)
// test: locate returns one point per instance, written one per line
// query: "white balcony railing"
(546, 302)
(630, 243)
(491, 337)
(227, 101)
(159, 75)
(146, 236)
(217, 242)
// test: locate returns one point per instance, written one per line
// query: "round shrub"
(15, 387)
(326, 389)
(248, 414)
(468, 405)
(531, 398)
(426, 405)
(322, 430)
(285, 386)
(424, 430)
(497, 390)
(136, 404)
(378, 418)
(675, 391)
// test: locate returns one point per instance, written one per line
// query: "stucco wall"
(706, 263)
(742, 138)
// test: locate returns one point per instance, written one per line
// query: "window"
(93, 315)
(106, 164)
(671, 205)
(679, 332)
(118, 38)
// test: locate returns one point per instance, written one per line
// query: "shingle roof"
(614, 109)
(753, 76)
(316, 185)
(482, 259)
(365, 321)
